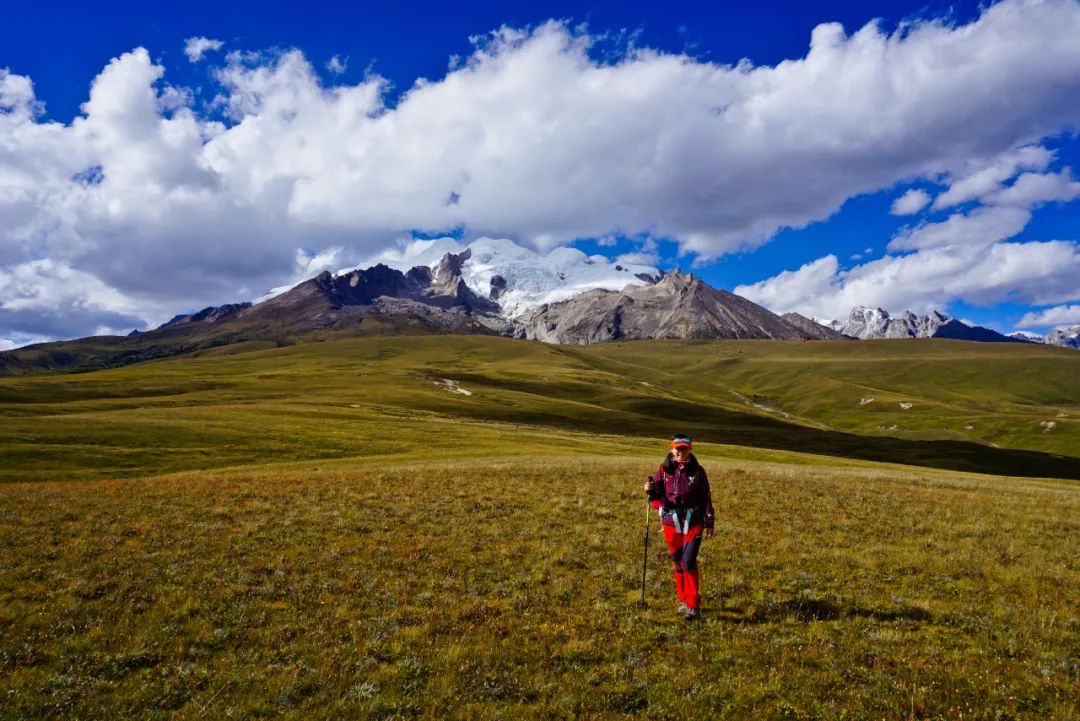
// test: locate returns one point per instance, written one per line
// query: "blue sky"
(791, 202)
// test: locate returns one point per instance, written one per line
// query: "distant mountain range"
(1065, 337)
(870, 323)
(488, 287)
(677, 306)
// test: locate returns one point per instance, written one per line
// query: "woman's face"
(681, 453)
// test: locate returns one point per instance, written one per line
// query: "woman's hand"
(648, 484)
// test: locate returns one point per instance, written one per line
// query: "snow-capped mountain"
(866, 323)
(515, 277)
(1067, 337)
(1026, 336)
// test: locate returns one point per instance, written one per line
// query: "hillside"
(451, 527)
(258, 403)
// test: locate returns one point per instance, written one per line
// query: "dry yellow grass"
(506, 588)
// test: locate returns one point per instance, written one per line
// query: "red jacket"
(683, 487)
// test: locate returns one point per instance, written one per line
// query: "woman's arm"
(657, 491)
(710, 516)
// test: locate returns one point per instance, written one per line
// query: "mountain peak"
(1068, 337)
(516, 277)
(865, 322)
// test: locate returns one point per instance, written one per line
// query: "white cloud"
(48, 285)
(336, 65)
(1038, 273)
(638, 258)
(1058, 316)
(961, 257)
(19, 341)
(981, 177)
(530, 137)
(1032, 189)
(196, 47)
(980, 227)
(910, 202)
(795, 290)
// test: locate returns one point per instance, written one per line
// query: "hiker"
(680, 493)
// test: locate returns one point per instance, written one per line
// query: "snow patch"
(864, 401)
(532, 279)
(904, 406)
(1048, 426)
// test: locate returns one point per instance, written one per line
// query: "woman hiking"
(680, 493)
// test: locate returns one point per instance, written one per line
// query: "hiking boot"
(682, 609)
(693, 614)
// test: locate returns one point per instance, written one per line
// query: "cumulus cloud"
(532, 137)
(1032, 189)
(1058, 316)
(981, 177)
(983, 226)
(961, 257)
(1038, 273)
(910, 202)
(196, 47)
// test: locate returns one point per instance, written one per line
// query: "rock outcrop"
(678, 306)
(866, 323)
(1065, 337)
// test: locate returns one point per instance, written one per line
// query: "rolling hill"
(451, 527)
(992, 408)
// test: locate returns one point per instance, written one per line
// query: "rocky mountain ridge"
(432, 299)
(437, 297)
(678, 306)
(867, 323)
(1066, 337)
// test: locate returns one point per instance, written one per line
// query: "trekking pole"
(645, 562)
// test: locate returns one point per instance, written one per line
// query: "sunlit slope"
(467, 395)
(1011, 395)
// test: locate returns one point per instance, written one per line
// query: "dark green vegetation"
(336, 530)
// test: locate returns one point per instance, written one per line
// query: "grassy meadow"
(255, 403)
(452, 527)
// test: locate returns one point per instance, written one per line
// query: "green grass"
(327, 531)
(993, 393)
(359, 397)
(507, 589)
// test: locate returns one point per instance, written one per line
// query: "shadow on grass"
(636, 415)
(806, 610)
